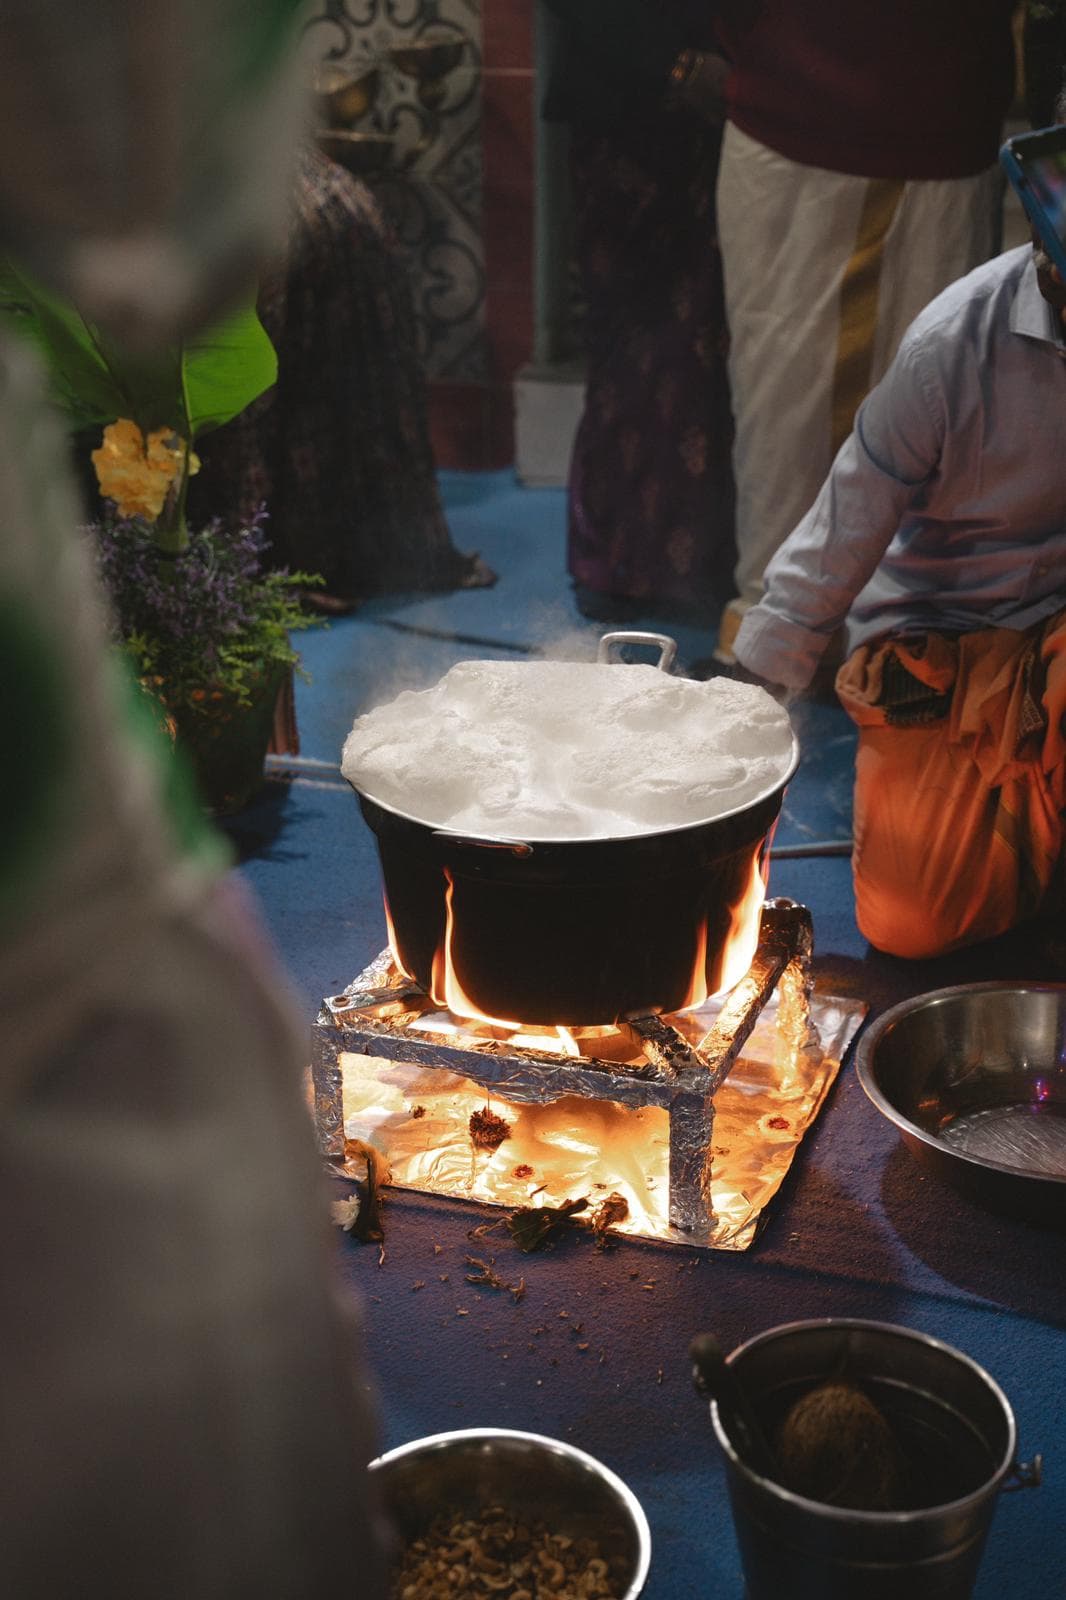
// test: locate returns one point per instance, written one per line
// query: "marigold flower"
(137, 474)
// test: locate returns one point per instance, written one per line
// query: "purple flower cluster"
(193, 601)
(204, 616)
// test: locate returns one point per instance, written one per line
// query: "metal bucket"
(957, 1432)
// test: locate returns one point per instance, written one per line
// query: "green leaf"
(82, 383)
(150, 385)
(199, 384)
(226, 367)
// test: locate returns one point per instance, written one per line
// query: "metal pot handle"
(515, 847)
(1023, 1475)
(662, 642)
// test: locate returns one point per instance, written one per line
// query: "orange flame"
(744, 922)
(560, 1040)
(740, 944)
(447, 991)
(394, 944)
(445, 987)
(697, 988)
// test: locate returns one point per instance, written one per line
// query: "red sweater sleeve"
(880, 88)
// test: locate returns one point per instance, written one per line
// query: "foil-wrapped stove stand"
(680, 1065)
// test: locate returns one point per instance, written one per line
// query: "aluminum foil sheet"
(692, 1170)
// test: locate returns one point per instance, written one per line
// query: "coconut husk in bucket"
(835, 1445)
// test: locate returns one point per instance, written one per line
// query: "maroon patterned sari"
(651, 486)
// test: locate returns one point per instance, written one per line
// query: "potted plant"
(205, 627)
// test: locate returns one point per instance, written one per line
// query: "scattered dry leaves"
(610, 1211)
(366, 1223)
(484, 1272)
(531, 1227)
(487, 1130)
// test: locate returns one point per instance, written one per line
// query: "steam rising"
(567, 750)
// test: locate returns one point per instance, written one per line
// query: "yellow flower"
(137, 474)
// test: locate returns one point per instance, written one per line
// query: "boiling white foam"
(567, 750)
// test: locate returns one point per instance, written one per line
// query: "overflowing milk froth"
(569, 750)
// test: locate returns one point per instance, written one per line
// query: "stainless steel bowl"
(543, 1478)
(974, 1078)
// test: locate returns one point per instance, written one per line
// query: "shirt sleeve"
(810, 584)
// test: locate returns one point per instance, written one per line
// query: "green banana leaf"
(204, 381)
(226, 367)
(80, 381)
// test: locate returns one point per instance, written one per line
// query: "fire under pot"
(691, 1118)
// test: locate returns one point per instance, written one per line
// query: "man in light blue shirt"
(946, 507)
(939, 542)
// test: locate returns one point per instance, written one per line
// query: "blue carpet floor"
(858, 1230)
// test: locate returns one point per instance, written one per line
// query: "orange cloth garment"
(960, 783)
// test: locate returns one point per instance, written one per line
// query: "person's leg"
(785, 234)
(958, 815)
(931, 869)
(823, 274)
(650, 486)
(941, 231)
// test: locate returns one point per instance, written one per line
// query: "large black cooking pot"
(572, 930)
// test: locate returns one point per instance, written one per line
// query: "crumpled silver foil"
(691, 1170)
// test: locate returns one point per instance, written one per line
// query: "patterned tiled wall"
(458, 188)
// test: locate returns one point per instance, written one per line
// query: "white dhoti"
(824, 272)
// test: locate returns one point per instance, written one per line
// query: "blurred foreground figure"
(179, 1415)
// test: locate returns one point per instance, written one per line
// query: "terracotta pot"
(227, 743)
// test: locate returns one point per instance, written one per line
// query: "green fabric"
(146, 719)
(271, 30)
(34, 752)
